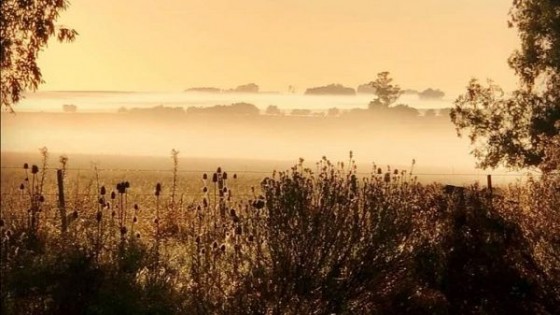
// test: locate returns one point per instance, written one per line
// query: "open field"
(317, 240)
(247, 143)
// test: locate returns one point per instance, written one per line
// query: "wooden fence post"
(61, 203)
(489, 184)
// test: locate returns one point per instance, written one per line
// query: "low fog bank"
(395, 141)
(105, 102)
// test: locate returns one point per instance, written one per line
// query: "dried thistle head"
(102, 191)
(387, 177)
(121, 188)
(259, 203)
(25, 166)
(34, 169)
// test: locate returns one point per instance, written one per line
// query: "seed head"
(395, 172)
(25, 166)
(214, 245)
(137, 234)
(99, 216)
(223, 248)
(136, 206)
(219, 170)
(205, 189)
(205, 176)
(21, 187)
(41, 198)
(113, 195)
(215, 177)
(387, 177)
(102, 191)
(251, 238)
(34, 169)
(135, 219)
(101, 201)
(235, 176)
(224, 176)
(379, 171)
(75, 214)
(123, 230)
(158, 189)
(259, 203)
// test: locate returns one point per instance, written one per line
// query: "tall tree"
(25, 28)
(387, 93)
(521, 129)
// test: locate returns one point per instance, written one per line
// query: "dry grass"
(301, 241)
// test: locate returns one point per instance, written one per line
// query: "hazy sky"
(169, 45)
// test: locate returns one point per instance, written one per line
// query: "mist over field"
(386, 140)
(430, 140)
(111, 101)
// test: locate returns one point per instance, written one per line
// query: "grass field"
(236, 238)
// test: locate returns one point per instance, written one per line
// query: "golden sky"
(170, 45)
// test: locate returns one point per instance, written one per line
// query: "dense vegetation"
(307, 241)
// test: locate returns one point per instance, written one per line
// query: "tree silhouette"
(25, 28)
(523, 129)
(386, 92)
